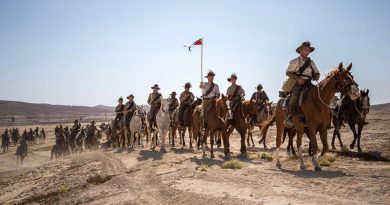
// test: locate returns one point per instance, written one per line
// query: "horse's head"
(365, 101)
(345, 83)
(223, 108)
(164, 105)
(197, 102)
(268, 108)
(251, 107)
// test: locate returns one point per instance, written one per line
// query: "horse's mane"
(328, 76)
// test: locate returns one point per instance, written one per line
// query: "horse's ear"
(341, 67)
(349, 67)
(223, 96)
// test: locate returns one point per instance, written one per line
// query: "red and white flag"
(196, 43)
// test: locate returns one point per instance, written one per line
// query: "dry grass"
(327, 160)
(203, 167)
(232, 164)
(262, 155)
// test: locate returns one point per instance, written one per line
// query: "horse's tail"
(266, 124)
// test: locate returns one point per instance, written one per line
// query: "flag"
(196, 43)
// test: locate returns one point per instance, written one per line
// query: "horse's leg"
(353, 128)
(279, 133)
(313, 142)
(204, 141)
(324, 139)
(299, 143)
(291, 134)
(163, 134)
(242, 132)
(190, 135)
(360, 127)
(226, 144)
(212, 134)
(183, 135)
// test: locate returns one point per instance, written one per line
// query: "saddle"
(303, 94)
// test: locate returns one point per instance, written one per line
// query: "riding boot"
(290, 116)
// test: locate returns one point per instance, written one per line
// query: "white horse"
(136, 126)
(163, 122)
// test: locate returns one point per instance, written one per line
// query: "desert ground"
(183, 176)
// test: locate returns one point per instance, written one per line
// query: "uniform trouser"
(294, 97)
(127, 123)
(152, 114)
(182, 108)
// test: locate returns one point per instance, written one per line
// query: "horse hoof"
(360, 150)
(243, 155)
(212, 156)
(333, 148)
(303, 167)
(351, 146)
(204, 155)
(317, 169)
(228, 156)
(278, 164)
(253, 145)
(162, 149)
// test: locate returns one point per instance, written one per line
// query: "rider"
(210, 93)
(119, 112)
(303, 70)
(76, 126)
(154, 100)
(92, 128)
(235, 92)
(186, 99)
(129, 110)
(173, 104)
(261, 98)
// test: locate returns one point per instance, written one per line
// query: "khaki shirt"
(296, 63)
(232, 88)
(153, 99)
(213, 94)
(173, 103)
(130, 105)
(184, 99)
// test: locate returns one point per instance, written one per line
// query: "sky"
(84, 52)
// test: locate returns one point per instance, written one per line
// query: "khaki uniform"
(154, 100)
(173, 104)
(311, 72)
(236, 96)
(186, 100)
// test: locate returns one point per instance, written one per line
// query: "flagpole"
(201, 63)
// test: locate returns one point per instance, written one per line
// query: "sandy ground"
(142, 176)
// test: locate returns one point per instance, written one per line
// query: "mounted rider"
(154, 100)
(129, 109)
(186, 100)
(235, 92)
(210, 94)
(260, 96)
(301, 71)
(119, 113)
(76, 127)
(92, 128)
(173, 105)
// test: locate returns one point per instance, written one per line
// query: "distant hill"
(8, 108)
(381, 107)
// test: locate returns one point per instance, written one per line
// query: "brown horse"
(240, 121)
(187, 125)
(217, 119)
(317, 112)
(264, 114)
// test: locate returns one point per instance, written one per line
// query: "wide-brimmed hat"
(120, 99)
(210, 73)
(93, 122)
(173, 93)
(131, 95)
(188, 85)
(306, 43)
(76, 121)
(232, 76)
(259, 86)
(155, 86)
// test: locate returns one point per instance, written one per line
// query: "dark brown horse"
(263, 114)
(217, 119)
(240, 121)
(317, 112)
(352, 112)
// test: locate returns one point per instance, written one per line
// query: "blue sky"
(91, 52)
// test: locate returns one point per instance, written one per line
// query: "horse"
(163, 122)
(240, 121)
(136, 127)
(58, 150)
(187, 123)
(90, 141)
(218, 115)
(355, 112)
(114, 134)
(264, 114)
(21, 151)
(316, 110)
(5, 141)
